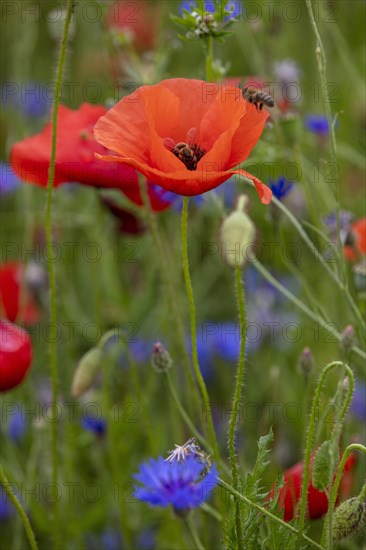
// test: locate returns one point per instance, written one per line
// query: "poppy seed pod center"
(189, 153)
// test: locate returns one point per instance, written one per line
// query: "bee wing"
(169, 143)
(192, 133)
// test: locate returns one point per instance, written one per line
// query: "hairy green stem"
(52, 277)
(267, 513)
(193, 325)
(334, 492)
(23, 516)
(240, 298)
(171, 291)
(317, 318)
(310, 434)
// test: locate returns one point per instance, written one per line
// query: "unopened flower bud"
(86, 372)
(359, 272)
(349, 519)
(348, 339)
(160, 359)
(321, 470)
(306, 362)
(345, 384)
(237, 234)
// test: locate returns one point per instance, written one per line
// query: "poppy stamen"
(189, 153)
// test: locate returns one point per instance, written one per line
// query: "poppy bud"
(359, 272)
(348, 519)
(237, 234)
(160, 359)
(321, 472)
(86, 372)
(15, 355)
(348, 339)
(306, 362)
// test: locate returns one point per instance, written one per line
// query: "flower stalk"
(311, 429)
(23, 516)
(52, 276)
(193, 326)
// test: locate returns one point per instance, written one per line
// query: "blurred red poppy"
(358, 238)
(184, 135)
(11, 274)
(289, 494)
(138, 19)
(75, 157)
(15, 355)
(127, 222)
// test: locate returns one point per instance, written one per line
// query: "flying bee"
(257, 97)
(188, 153)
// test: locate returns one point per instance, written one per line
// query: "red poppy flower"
(75, 157)
(15, 355)
(184, 135)
(11, 274)
(358, 236)
(289, 494)
(139, 19)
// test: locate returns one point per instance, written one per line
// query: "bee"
(257, 97)
(188, 153)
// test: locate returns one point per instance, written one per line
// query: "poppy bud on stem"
(237, 234)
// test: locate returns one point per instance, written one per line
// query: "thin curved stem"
(240, 298)
(51, 273)
(193, 532)
(267, 513)
(310, 435)
(317, 318)
(169, 285)
(344, 288)
(23, 516)
(322, 68)
(189, 422)
(193, 324)
(334, 492)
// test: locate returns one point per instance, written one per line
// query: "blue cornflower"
(318, 124)
(34, 99)
(358, 404)
(7, 509)
(178, 483)
(209, 6)
(94, 424)
(281, 187)
(8, 180)
(17, 425)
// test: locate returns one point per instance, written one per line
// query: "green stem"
(51, 274)
(322, 68)
(334, 492)
(266, 513)
(310, 435)
(192, 315)
(184, 414)
(210, 73)
(240, 298)
(193, 532)
(344, 289)
(317, 318)
(172, 293)
(20, 510)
